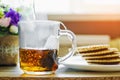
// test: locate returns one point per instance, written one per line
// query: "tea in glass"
(39, 45)
(34, 60)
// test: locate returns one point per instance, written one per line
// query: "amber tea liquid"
(32, 60)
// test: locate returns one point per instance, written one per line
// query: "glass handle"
(73, 39)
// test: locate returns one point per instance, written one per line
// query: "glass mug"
(39, 45)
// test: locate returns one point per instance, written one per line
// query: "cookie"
(92, 48)
(99, 54)
(102, 52)
(105, 61)
(108, 56)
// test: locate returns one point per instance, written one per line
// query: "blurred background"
(93, 21)
(80, 16)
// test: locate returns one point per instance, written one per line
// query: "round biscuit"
(104, 60)
(108, 56)
(102, 52)
(92, 48)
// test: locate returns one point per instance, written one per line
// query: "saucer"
(77, 62)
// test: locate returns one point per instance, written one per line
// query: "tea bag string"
(34, 12)
(63, 26)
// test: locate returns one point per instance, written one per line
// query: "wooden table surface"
(63, 73)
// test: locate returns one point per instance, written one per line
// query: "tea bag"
(51, 43)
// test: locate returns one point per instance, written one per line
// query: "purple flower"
(15, 16)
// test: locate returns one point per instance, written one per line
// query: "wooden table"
(63, 73)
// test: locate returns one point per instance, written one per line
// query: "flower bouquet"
(9, 47)
(9, 19)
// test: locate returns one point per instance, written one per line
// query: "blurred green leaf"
(1, 12)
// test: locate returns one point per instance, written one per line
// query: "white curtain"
(78, 6)
(53, 6)
(71, 6)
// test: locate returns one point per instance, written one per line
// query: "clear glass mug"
(39, 45)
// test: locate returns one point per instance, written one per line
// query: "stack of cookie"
(100, 54)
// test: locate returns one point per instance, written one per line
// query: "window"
(71, 6)
(78, 6)
(53, 6)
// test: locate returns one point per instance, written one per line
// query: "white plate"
(76, 62)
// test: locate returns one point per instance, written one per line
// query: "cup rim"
(41, 21)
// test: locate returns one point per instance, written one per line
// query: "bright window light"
(52, 6)
(78, 6)
(73, 6)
